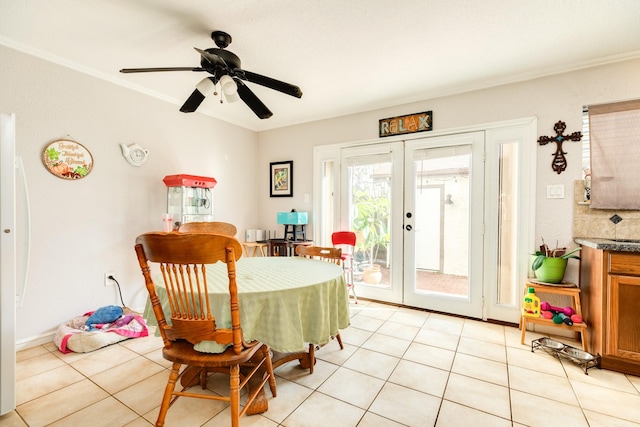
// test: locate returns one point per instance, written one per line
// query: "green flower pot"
(552, 270)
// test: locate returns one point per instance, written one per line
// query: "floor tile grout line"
(506, 338)
(506, 358)
(449, 372)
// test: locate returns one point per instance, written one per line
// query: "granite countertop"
(620, 245)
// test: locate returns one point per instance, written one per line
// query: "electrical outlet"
(107, 281)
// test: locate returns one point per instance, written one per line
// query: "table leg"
(190, 376)
(307, 358)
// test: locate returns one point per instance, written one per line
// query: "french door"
(410, 204)
(372, 206)
(444, 222)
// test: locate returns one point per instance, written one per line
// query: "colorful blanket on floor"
(82, 335)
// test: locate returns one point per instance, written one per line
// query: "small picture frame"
(281, 178)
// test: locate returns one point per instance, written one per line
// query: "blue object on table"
(293, 218)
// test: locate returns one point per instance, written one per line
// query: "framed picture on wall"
(281, 178)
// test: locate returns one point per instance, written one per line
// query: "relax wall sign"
(418, 122)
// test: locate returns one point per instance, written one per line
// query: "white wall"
(551, 99)
(81, 229)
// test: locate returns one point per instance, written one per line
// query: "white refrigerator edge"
(7, 264)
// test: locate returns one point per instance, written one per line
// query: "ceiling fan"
(224, 67)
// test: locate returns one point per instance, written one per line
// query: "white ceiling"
(348, 56)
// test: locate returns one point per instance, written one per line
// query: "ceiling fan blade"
(204, 88)
(211, 58)
(274, 84)
(252, 101)
(153, 70)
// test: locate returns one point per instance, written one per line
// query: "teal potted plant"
(549, 265)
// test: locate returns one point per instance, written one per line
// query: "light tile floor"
(400, 367)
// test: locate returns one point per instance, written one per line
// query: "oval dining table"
(291, 304)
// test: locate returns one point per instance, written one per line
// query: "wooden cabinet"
(610, 284)
(623, 339)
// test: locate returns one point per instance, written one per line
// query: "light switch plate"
(555, 191)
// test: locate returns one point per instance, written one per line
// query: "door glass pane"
(326, 220)
(442, 220)
(507, 224)
(370, 215)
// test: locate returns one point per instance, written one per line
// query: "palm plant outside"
(371, 209)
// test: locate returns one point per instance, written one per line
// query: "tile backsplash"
(601, 223)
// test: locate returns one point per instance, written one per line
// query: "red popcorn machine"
(189, 199)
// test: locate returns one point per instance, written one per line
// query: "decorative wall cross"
(559, 162)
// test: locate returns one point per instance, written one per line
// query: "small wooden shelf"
(574, 293)
(578, 327)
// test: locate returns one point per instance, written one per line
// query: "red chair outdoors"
(346, 240)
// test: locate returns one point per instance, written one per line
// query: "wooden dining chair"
(346, 240)
(217, 227)
(182, 259)
(333, 255)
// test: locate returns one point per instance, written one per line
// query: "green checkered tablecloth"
(285, 302)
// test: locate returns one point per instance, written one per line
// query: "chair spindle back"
(182, 260)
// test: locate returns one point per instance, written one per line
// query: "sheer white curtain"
(615, 155)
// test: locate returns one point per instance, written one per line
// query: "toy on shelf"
(562, 318)
(566, 315)
(569, 311)
(531, 304)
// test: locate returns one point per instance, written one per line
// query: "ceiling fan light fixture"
(206, 86)
(203, 89)
(229, 88)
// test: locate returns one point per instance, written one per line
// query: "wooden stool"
(572, 291)
(292, 231)
(254, 246)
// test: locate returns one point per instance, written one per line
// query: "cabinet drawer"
(624, 263)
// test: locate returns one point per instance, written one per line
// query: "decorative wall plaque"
(418, 122)
(67, 159)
